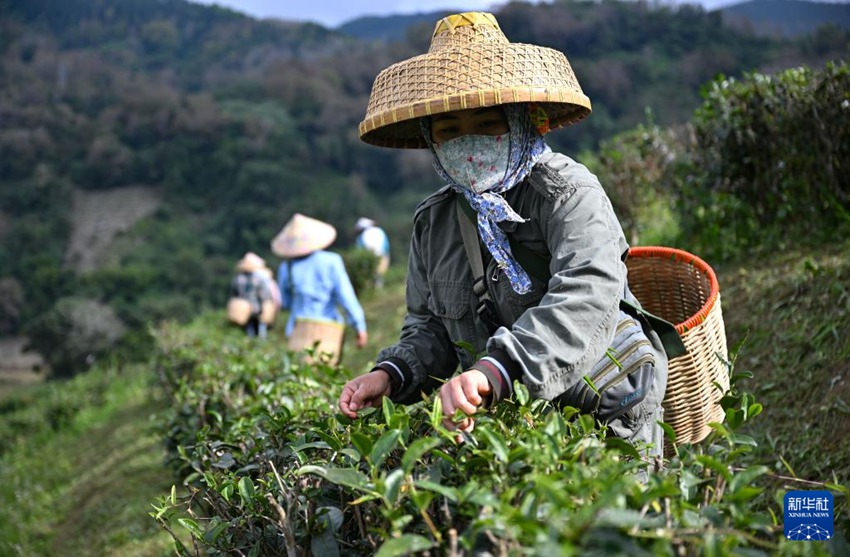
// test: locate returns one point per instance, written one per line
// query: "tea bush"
(770, 158)
(763, 157)
(361, 265)
(632, 167)
(273, 469)
(73, 334)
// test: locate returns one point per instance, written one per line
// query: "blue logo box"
(809, 516)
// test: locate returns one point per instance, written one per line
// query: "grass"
(81, 461)
(82, 484)
(790, 313)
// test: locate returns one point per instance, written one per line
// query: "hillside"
(787, 18)
(101, 216)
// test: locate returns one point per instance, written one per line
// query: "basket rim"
(682, 256)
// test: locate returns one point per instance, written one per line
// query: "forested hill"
(145, 146)
(388, 28)
(763, 17)
(787, 17)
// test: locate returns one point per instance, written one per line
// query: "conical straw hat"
(250, 262)
(470, 64)
(302, 235)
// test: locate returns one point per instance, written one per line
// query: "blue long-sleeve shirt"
(319, 287)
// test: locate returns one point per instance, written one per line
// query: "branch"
(785, 478)
(288, 536)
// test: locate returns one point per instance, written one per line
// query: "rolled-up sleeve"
(558, 341)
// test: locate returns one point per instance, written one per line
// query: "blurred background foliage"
(234, 124)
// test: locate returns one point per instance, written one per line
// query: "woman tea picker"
(547, 308)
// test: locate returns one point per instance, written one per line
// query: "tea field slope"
(81, 461)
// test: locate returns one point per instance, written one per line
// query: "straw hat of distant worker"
(301, 236)
(470, 64)
(363, 223)
(250, 262)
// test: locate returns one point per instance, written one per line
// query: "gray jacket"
(552, 336)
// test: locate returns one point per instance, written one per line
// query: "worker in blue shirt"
(314, 285)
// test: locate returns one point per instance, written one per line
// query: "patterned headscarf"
(526, 146)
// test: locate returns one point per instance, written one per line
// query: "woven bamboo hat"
(250, 262)
(470, 64)
(301, 236)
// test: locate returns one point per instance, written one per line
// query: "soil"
(99, 216)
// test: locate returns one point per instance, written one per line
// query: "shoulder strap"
(470, 243)
(469, 233)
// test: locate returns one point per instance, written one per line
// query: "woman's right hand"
(364, 391)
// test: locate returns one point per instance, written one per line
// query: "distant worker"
(249, 294)
(314, 285)
(373, 238)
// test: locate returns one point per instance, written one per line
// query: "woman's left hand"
(466, 393)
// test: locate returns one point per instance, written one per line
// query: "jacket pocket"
(448, 300)
(621, 379)
(509, 305)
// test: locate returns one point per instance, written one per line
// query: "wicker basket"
(329, 335)
(682, 289)
(238, 311)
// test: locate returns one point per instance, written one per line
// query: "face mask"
(476, 162)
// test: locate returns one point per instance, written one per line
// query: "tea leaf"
(436, 414)
(382, 448)
(361, 442)
(192, 526)
(499, 447)
(404, 545)
(416, 450)
(341, 476)
(713, 464)
(214, 531)
(622, 446)
(745, 478)
(389, 409)
(246, 490)
(227, 492)
(447, 492)
(392, 483)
